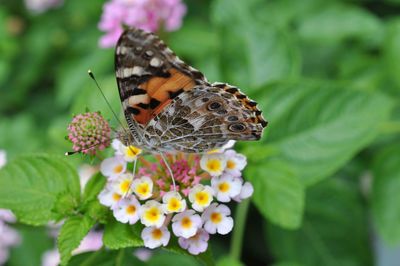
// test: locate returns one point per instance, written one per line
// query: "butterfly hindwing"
(204, 118)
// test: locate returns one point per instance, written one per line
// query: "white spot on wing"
(121, 50)
(197, 123)
(129, 71)
(143, 98)
(155, 62)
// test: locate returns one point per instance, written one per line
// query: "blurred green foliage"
(326, 74)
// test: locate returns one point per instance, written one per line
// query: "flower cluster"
(189, 206)
(143, 14)
(89, 132)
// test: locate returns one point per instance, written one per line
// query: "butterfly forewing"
(149, 74)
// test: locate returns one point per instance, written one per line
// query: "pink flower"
(8, 238)
(89, 132)
(7, 216)
(143, 14)
(195, 244)
(93, 241)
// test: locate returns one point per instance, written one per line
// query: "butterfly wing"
(149, 76)
(205, 118)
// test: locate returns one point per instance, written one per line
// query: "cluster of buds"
(89, 132)
(190, 207)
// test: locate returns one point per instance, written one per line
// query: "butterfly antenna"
(105, 99)
(169, 169)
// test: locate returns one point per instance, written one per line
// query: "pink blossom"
(39, 6)
(7, 216)
(195, 244)
(87, 131)
(93, 241)
(8, 237)
(144, 14)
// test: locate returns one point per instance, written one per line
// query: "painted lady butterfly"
(170, 106)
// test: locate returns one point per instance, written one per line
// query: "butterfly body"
(170, 106)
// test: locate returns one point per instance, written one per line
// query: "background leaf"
(385, 198)
(118, 235)
(93, 187)
(102, 257)
(318, 127)
(328, 236)
(257, 52)
(278, 193)
(31, 184)
(392, 53)
(72, 232)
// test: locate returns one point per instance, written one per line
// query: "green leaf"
(72, 232)
(392, 52)
(101, 257)
(287, 263)
(334, 231)
(228, 261)
(93, 187)
(335, 22)
(385, 198)
(118, 235)
(31, 185)
(97, 211)
(278, 192)
(257, 53)
(318, 126)
(168, 258)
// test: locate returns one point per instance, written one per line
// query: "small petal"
(216, 219)
(186, 224)
(143, 187)
(195, 244)
(214, 163)
(173, 202)
(226, 187)
(152, 214)
(154, 237)
(127, 210)
(201, 196)
(113, 167)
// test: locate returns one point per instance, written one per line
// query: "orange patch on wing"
(159, 89)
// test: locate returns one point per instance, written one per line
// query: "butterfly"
(170, 106)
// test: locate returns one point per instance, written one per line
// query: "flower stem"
(120, 257)
(238, 229)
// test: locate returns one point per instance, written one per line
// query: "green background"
(326, 172)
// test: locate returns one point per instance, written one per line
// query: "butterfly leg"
(133, 177)
(170, 171)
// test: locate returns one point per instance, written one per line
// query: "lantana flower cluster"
(89, 132)
(191, 208)
(143, 14)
